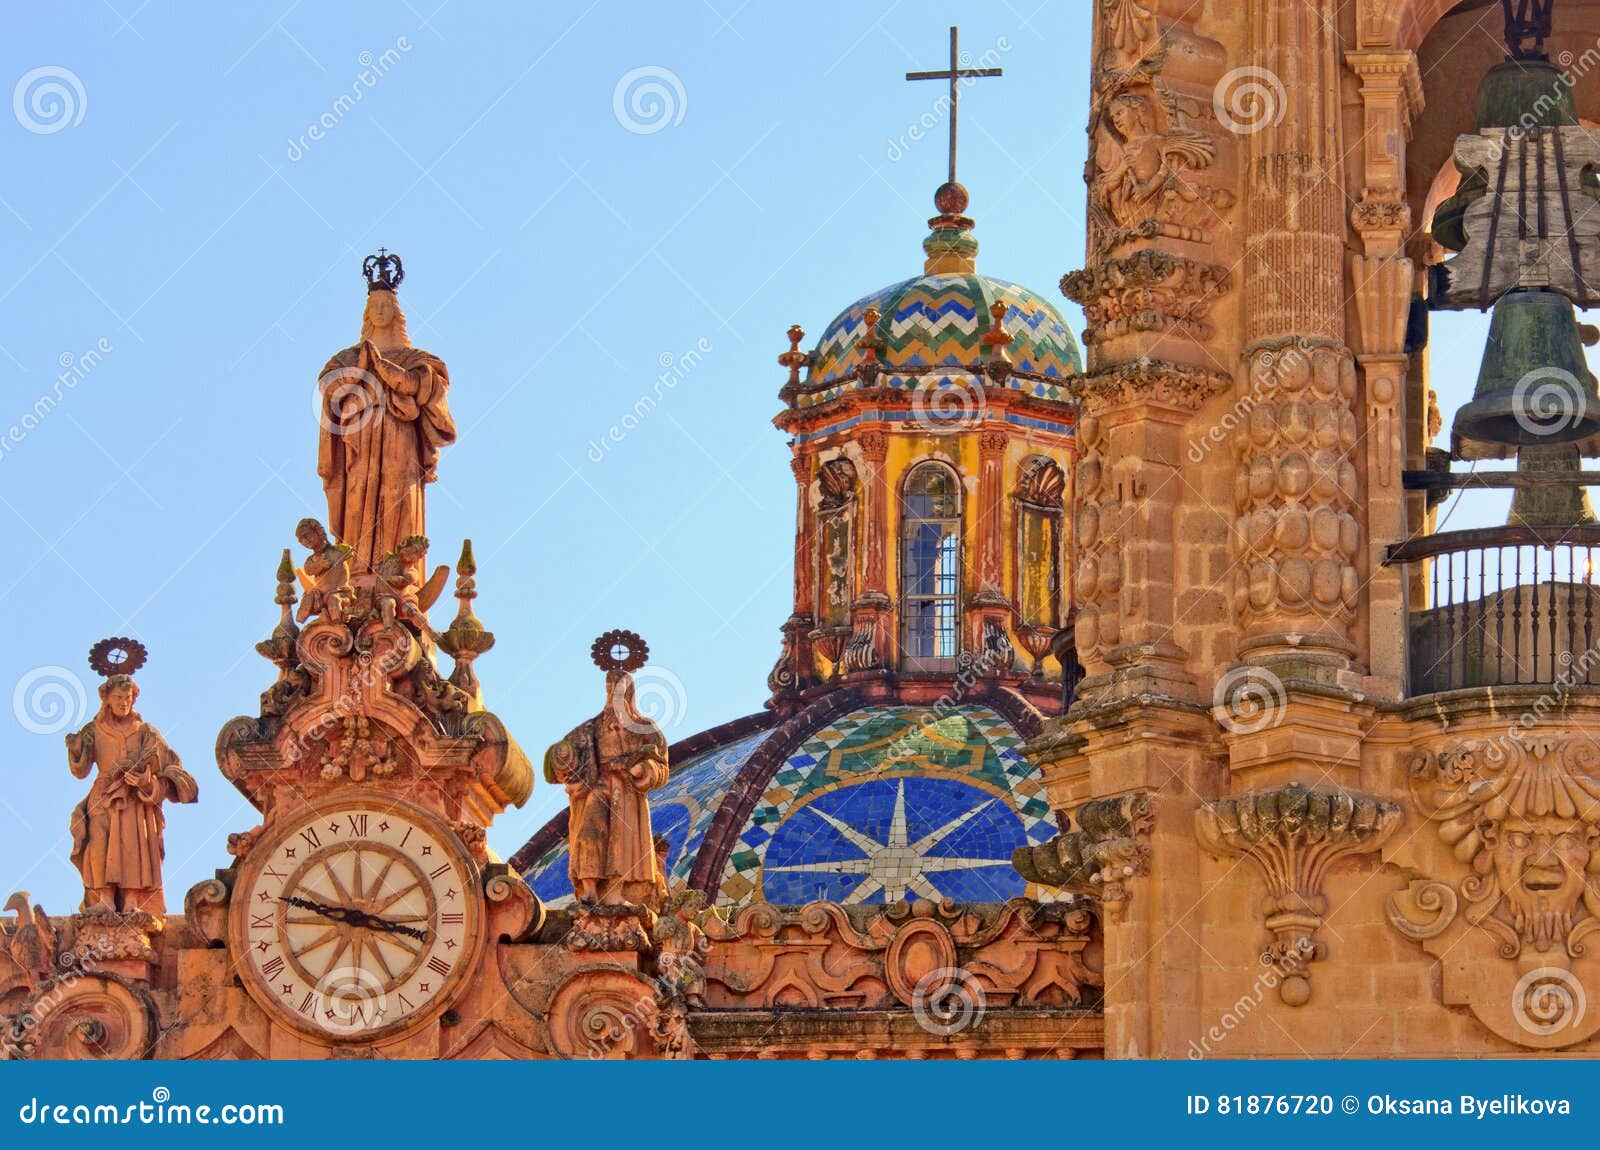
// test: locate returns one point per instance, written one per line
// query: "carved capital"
(1148, 292)
(1294, 835)
(1147, 382)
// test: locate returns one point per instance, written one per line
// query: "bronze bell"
(1534, 387)
(1551, 505)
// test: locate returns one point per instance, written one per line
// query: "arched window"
(1041, 509)
(930, 568)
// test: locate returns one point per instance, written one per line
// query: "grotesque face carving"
(1514, 897)
(1541, 865)
(1525, 813)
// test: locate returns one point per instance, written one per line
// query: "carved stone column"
(989, 612)
(1161, 190)
(1391, 92)
(1298, 587)
(794, 668)
(1129, 491)
(872, 645)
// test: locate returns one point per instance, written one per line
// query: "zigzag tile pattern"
(939, 321)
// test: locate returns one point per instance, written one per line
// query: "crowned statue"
(117, 829)
(384, 417)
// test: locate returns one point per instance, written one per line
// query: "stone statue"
(384, 418)
(117, 829)
(609, 765)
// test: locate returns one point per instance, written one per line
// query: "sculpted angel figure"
(326, 574)
(384, 419)
(117, 830)
(1137, 160)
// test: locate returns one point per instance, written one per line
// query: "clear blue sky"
(180, 215)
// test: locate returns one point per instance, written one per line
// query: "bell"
(1534, 387)
(1516, 93)
(1556, 505)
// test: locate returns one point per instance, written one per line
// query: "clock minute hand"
(387, 927)
(342, 914)
(353, 917)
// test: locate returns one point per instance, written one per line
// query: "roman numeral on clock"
(273, 872)
(308, 1001)
(358, 824)
(442, 868)
(453, 919)
(272, 969)
(261, 922)
(311, 837)
(439, 966)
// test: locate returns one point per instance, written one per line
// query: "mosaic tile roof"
(884, 804)
(938, 320)
(888, 804)
(681, 810)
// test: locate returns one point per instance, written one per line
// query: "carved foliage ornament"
(1150, 291)
(1294, 835)
(1109, 844)
(1520, 819)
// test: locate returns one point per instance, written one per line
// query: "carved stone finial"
(998, 360)
(31, 942)
(794, 359)
(279, 646)
(1294, 835)
(870, 344)
(465, 639)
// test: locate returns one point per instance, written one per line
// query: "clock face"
(356, 918)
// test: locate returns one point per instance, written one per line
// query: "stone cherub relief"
(1512, 900)
(384, 419)
(609, 765)
(325, 577)
(117, 829)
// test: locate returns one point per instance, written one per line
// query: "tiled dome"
(884, 803)
(938, 320)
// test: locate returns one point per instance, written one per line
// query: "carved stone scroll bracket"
(604, 1010)
(1294, 835)
(1108, 845)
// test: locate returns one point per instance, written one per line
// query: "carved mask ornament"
(1522, 815)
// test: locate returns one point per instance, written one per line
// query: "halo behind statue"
(119, 656)
(631, 656)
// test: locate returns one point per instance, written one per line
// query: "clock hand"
(353, 917)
